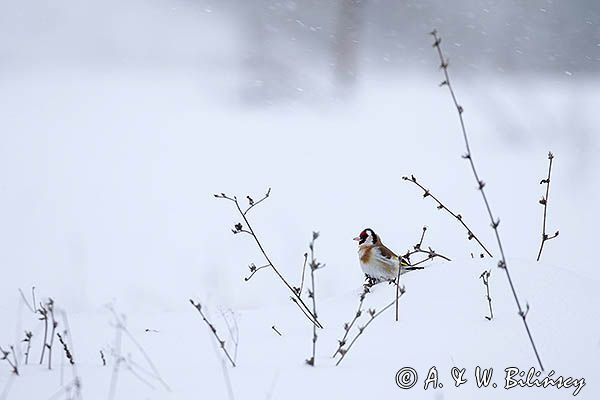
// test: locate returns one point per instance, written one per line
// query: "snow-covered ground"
(106, 187)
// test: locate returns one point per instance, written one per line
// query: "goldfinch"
(377, 261)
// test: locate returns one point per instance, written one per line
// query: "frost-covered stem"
(544, 202)
(212, 328)
(480, 185)
(239, 229)
(348, 326)
(361, 329)
(441, 206)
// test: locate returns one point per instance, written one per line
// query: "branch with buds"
(373, 314)
(418, 249)
(66, 348)
(485, 276)
(5, 356)
(27, 339)
(314, 265)
(544, 201)
(247, 229)
(441, 206)
(437, 40)
(349, 325)
(212, 328)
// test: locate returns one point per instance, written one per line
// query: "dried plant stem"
(348, 326)
(441, 206)
(28, 337)
(212, 328)
(314, 265)
(544, 202)
(114, 378)
(495, 222)
(239, 228)
(44, 317)
(233, 330)
(66, 349)
(50, 306)
(485, 276)
(361, 329)
(155, 374)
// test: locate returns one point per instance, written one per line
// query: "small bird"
(377, 261)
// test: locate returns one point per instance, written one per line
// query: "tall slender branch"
(441, 206)
(481, 184)
(544, 201)
(239, 228)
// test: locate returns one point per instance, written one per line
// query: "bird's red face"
(364, 235)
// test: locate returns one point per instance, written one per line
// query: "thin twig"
(276, 331)
(441, 206)
(212, 328)
(233, 330)
(121, 325)
(43, 317)
(348, 326)
(361, 329)
(103, 358)
(544, 201)
(485, 276)
(239, 228)
(481, 184)
(299, 290)
(314, 265)
(29, 306)
(254, 269)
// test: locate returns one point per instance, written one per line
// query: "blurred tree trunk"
(347, 42)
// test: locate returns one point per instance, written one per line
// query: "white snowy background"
(120, 120)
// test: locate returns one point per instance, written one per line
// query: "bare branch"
(296, 298)
(544, 202)
(441, 206)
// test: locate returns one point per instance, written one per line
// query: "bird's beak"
(356, 238)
